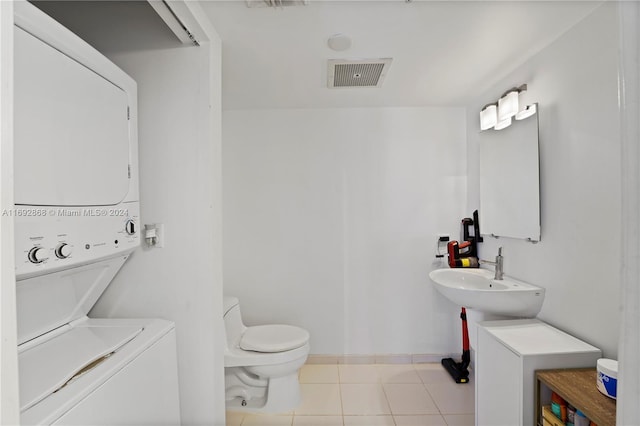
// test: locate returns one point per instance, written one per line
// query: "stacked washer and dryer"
(76, 223)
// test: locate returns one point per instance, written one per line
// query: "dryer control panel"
(49, 239)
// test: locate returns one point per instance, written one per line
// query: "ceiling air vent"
(357, 73)
(276, 3)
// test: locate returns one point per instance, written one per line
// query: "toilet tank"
(232, 321)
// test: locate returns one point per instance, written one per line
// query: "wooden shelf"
(578, 388)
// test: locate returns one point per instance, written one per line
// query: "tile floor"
(373, 395)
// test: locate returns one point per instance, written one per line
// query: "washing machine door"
(71, 130)
(56, 363)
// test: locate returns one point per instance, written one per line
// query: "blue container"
(607, 378)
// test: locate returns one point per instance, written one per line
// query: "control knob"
(130, 227)
(63, 250)
(38, 254)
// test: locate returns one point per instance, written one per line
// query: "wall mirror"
(510, 181)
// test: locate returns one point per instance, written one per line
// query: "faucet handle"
(499, 251)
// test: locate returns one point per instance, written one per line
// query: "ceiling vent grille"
(357, 73)
(276, 3)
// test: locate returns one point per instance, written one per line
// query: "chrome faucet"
(498, 264)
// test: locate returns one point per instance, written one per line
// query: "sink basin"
(477, 289)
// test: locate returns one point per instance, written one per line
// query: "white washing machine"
(76, 223)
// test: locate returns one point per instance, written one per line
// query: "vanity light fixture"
(499, 115)
(503, 124)
(488, 116)
(508, 105)
(527, 112)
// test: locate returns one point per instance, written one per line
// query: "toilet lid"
(273, 338)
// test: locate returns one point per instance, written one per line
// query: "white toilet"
(261, 363)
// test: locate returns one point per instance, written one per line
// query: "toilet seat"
(273, 338)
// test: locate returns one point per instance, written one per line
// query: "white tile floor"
(373, 395)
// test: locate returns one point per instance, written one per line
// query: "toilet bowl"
(261, 363)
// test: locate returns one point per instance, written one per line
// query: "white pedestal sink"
(477, 289)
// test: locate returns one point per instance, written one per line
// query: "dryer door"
(71, 130)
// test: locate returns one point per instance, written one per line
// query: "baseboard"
(378, 359)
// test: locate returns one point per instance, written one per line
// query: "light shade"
(488, 117)
(503, 124)
(508, 105)
(527, 112)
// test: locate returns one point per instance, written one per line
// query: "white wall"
(330, 218)
(578, 261)
(179, 172)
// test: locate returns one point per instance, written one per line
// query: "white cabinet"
(507, 355)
